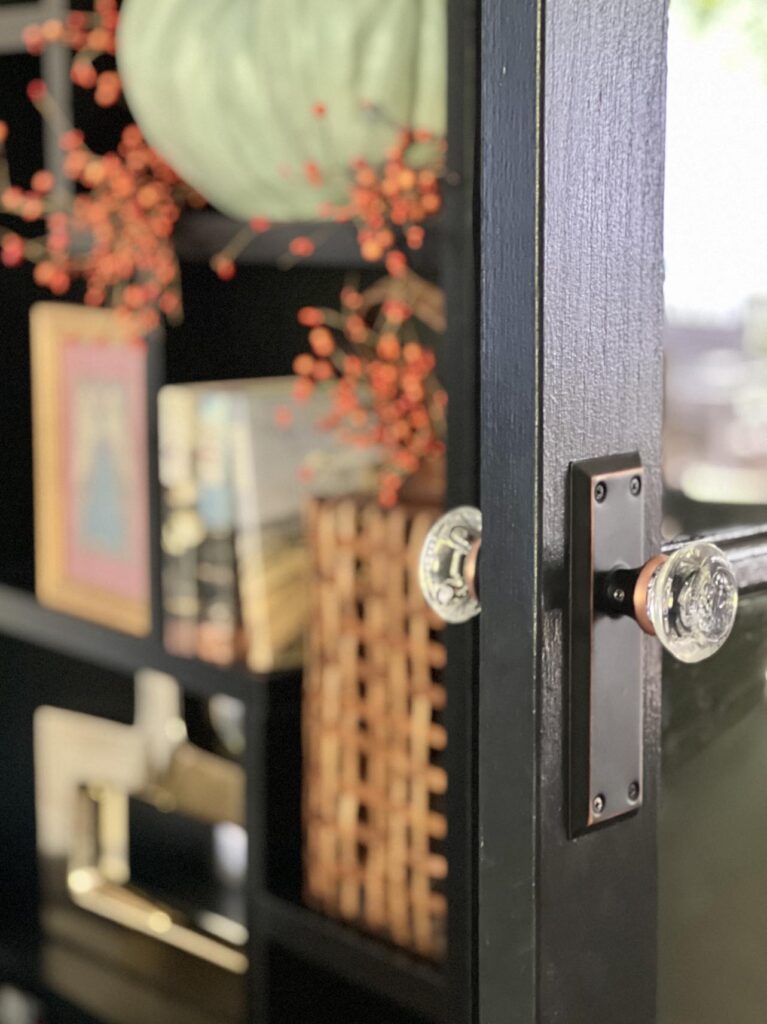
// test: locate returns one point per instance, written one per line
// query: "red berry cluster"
(389, 204)
(128, 214)
(115, 232)
(386, 393)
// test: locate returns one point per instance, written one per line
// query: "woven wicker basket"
(374, 821)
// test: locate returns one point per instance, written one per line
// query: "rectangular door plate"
(605, 651)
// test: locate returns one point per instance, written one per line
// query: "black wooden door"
(569, 227)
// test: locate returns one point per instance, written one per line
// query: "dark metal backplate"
(605, 669)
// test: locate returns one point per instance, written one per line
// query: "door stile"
(571, 193)
(604, 100)
(510, 446)
(460, 370)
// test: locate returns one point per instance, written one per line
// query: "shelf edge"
(340, 949)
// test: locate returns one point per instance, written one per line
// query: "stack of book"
(238, 460)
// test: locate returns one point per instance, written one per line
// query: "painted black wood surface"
(571, 307)
(604, 108)
(510, 259)
(459, 370)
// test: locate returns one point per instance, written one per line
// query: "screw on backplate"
(636, 485)
(598, 803)
(634, 792)
(618, 595)
(600, 491)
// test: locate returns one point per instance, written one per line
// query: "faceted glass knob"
(692, 601)
(448, 564)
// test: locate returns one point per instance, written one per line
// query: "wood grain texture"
(509, 484)
(459, 369)
(604, 92)
(571, 189)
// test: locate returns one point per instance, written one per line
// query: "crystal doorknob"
(448, 564)
(688, 599)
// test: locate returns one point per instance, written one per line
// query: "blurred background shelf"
(21, 966)
(93, 974)
(202, 233)
(23, 618)
(303, 966)
(412, 983)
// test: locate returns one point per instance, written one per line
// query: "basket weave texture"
(374, 821)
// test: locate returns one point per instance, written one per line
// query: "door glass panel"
(713, 824)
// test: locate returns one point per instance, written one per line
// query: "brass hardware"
(86, 771)
(605, 650)
(687, 598)
(639, 598)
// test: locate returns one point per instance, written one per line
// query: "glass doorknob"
(688, 599)
(448, 566)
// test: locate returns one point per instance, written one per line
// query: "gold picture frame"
(90, 402)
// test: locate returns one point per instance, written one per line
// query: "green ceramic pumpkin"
(225, 90)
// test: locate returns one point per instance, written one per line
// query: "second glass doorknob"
(689, 599)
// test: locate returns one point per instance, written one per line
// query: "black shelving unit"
(300, 962)
(201, 233)
(338, 948)
(22, 617)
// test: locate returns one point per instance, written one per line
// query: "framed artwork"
(90, 402)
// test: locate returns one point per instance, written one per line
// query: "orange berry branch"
(112, 230)
(388, 205)
(386, 394)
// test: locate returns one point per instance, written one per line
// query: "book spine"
(271, 559)
(181, 527)
(219, 618)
